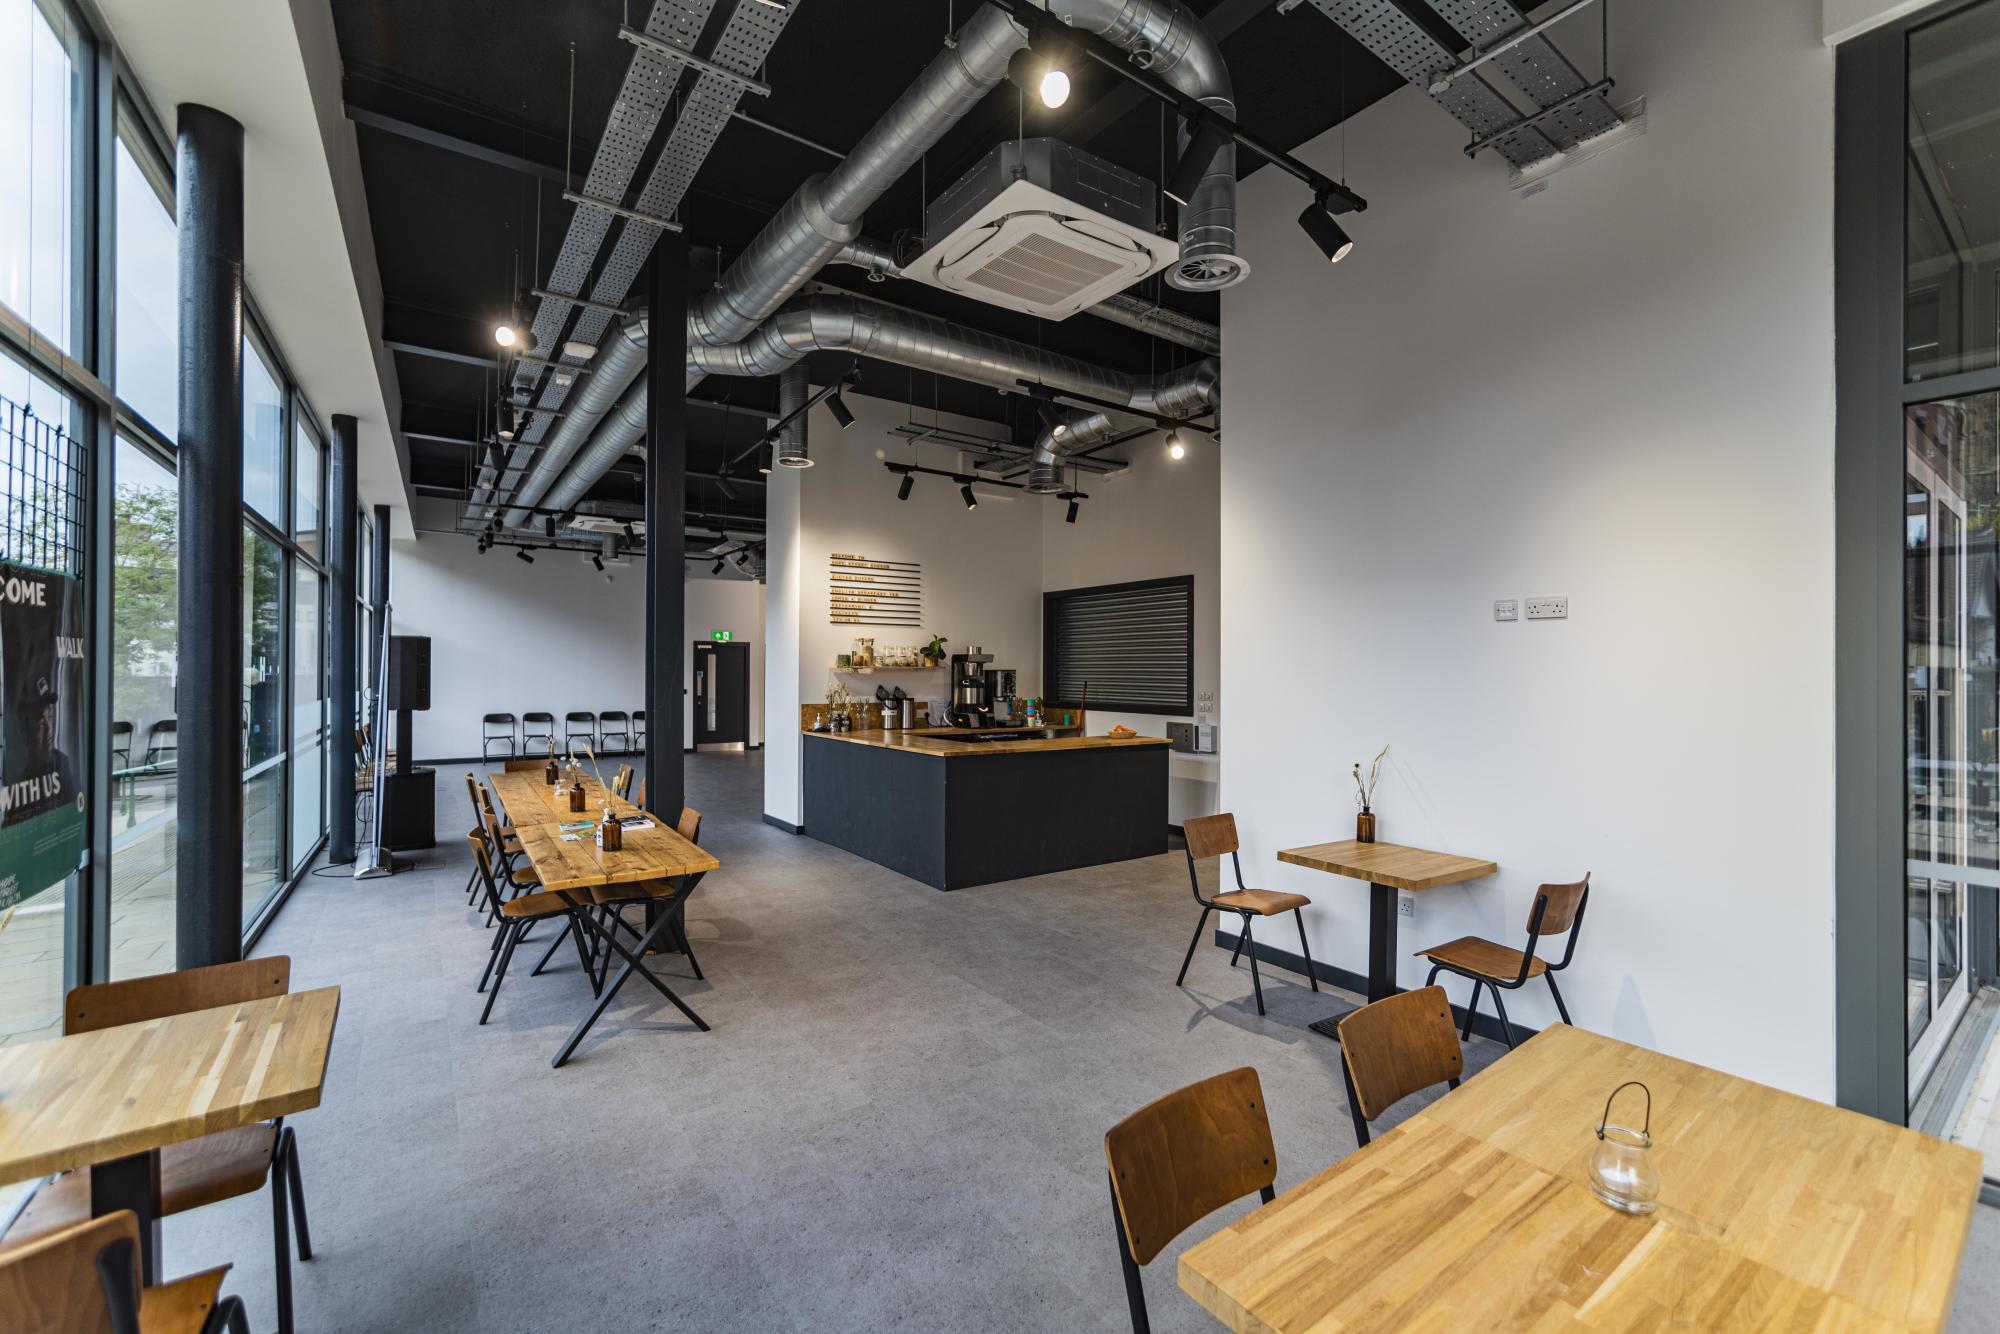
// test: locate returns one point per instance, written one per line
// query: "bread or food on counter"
(1121, 731)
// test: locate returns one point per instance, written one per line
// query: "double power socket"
(1539, 609)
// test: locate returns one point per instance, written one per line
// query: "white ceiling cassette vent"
(1043, 227)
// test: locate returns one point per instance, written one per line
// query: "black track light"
(630, 535)
(725, 486)
(903, 491)
(1054, 425)
(597, 562)
(1039, 77)
(549, 527)
(839, 410)
(971, 501)
(718, 566)
(1326, 233)
(1071, 516)
(1208, 139)
(764, 460)
(523, 554)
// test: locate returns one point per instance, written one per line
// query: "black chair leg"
(1353, 1104)
(1471, 1008)
(228, 1314)
(1189, 958)
(281, 1236)
(1506, 1028)
(1312, 976)
(295, 1184)
(1255, 981)
(1135, 1291)
(1561, 1009)
(500, 975)
(1236, 953)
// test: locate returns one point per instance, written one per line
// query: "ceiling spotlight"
(630, 536)
(578, 350)
(971, 501)
(522, 553)
(908, 484)
(597, 563)
(764, 460)
(505, 433)
(549, 527)
(1318, 222)
(718, 566)
(1175, 449)
(1208, 139)
(505, 335)
(1040, 76)
(839, 410)
(1071, 516)
(1054, 425)
(723, 484)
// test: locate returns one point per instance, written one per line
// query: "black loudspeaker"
(409, 672)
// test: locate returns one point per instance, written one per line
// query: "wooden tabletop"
(538, 814)
(1389, 864)
(73, 1101)
(528, 799)
(1775, 1211)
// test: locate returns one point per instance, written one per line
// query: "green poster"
(42, 691)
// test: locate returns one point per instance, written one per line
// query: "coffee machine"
(971, 692)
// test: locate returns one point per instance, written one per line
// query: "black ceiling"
(466, 122)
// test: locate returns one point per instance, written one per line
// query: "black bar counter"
(953, 812)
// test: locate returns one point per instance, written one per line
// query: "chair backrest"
(612, 716)
(523, 766)
(638, 715)
(538, 718)
(480, 857)
(80, 1280)
(1559, 907)
(1177, 1160)
(579, 716)
(1397, 1046)
(641, 803)
(1210, 835)
(498, 719)
(119, 727)
(689, 825)
(108, 1004)
(472, 793)
(622, 784)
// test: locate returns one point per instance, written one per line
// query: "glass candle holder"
(1621, 1166)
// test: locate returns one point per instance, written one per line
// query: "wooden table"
(573, 869)
(1775, 1211)
(111, 1099)
(1388, 868)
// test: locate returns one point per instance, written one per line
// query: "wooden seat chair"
(1177, 1160)
(1558, 909)
(1394, 1047)
(1212, 836)
(615, 897)
(84, 1279)
(622, 783)
(523, 766)
(201, 1171)
(516, 915)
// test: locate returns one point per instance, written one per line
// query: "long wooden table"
(573, 868)
(111, 1099)
(1389, 869)
(1476, 1213)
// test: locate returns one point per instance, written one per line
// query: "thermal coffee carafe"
(971, 693)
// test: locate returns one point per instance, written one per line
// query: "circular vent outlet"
(1207, 273)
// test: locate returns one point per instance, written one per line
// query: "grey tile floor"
(896, 1123)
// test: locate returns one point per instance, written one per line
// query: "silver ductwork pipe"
(1079, 429)
(792, 391)
(621, 428)
(612, 371)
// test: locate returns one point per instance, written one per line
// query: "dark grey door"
(721, 695)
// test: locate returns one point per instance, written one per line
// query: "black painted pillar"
(666, 524)
(342, 540)
(208, 879)
(378, 600)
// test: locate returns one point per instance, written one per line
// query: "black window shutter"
(1132, 643)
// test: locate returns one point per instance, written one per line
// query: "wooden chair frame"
(1208, 906)
(87, 1277)
(1549, 970)
(1403, 1016)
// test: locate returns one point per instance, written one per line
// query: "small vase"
(576, 798)
(611, 835)
(1364, 826)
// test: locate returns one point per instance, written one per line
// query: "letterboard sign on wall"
(867, 591)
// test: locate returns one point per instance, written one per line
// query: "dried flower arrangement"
(1364, 795)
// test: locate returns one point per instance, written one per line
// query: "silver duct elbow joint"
(1079, 430)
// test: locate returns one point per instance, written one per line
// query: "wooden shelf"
(870, 671)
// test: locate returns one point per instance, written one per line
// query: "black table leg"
(1382, 906)
(132, 1183)
(633, 963)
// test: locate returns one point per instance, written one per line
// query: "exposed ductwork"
(824, 215)
(614, 368)
(792, 392)
(1079, 429)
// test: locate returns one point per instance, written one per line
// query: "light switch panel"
(1507, 609)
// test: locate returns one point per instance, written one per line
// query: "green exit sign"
(722, 636)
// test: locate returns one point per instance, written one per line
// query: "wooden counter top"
(941, 741)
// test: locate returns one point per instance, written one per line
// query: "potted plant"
(1364, 796)
(934, 651)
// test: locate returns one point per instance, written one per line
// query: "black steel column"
(208, 181)
(666, 524)
(342, 539)
(378, 598)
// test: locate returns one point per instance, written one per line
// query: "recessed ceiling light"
(579, 350)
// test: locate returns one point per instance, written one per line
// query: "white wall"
(1619, 389)
(1158, 518)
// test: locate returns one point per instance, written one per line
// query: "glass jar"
(1621, 1165)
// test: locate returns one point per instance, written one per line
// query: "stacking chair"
(84, 1279)
(1395, 1047)
(162, 741)
(638, 729)
(121, 744)
(614, 723)
(538, 733)
(1558, 909)
(622, 784)
(195, 1172)
(579, 724)
(1175, 1161)
(1211, 836)
(496, 729)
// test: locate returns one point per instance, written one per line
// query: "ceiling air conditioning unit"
(1043, 227)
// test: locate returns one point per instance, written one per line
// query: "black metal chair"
(1211, 836)
(121, 744)
(538, 733)
(638, 729)
(1395, 1046)
(496, 728)
(162, 741)
(579, 724)
(1558, 908)
(614, 723)
(86, 1277)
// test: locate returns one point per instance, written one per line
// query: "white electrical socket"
(1406, 905)
(1548, 609)
(1507, 609)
